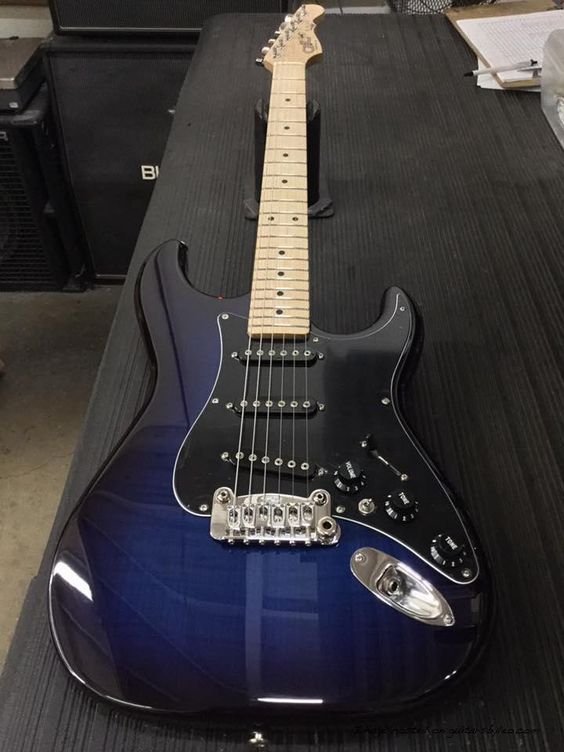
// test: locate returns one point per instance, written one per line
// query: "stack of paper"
(502, 40)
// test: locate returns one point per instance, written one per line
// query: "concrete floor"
(51, 344)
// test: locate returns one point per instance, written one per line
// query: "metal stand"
(320, 203)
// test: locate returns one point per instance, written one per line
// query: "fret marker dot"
(271, 219)
(284, 155)
(286, 127)
(288, 99)
(280, 274)
(284, 181)
(295, 219)
(281, 253)
(279, 312)
(280, 293)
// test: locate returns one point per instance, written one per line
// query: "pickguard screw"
(364, 443)
(320, 497)
(315, 339)
(225, 455)
(224, 316)
(229, 405)
(360, 558)
(320, 356)
(466, 572)
(215, 401)
(321, 406)
(402, 308)
(447, 619)
(340, 509)
(203, 507)
(386, 401)
(233, 354)
(403, 476)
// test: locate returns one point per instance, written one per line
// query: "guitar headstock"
(295, 40)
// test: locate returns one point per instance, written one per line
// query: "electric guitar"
(269, 535)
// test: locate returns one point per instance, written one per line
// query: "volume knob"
(349, 477)
(401, 507)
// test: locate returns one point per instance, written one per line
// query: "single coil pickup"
(298, 407)
(273, 465)
(287, 356)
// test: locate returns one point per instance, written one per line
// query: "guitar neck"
(280, 290)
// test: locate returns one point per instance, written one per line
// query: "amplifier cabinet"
(40, 243)
(114, 103)
(148, 16)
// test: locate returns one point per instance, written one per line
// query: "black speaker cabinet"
(114, 103)
(40, 246)
(149, 16)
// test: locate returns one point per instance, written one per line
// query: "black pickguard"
(349, 385)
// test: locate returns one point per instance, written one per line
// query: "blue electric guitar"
(269, 535)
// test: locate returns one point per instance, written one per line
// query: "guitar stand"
(320, 203)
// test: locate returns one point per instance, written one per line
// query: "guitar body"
(149, 610)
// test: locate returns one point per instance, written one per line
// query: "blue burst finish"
(148, 610)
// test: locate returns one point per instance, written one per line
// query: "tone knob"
(349, 477)
(447, 551)
(401, 507)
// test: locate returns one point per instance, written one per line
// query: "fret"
(289, 156)
(281, 128)
(283, 226)
(280, 290)
(287, 115)
(270, 273)
(284, 142)
(288, 86)
(288, 102)
(288, 207)
(285, 169)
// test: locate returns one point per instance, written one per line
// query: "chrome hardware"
(273, 518)
(265, 50)
(400, 587)
(366, 506)
(259, 61)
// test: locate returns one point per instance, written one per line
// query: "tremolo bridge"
(273, 518)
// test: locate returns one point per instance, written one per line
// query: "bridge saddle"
(273, 518)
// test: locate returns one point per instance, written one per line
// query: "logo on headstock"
(308, 45)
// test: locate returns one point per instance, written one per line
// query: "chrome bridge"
(273, 518)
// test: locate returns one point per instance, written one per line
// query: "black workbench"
(455, 194)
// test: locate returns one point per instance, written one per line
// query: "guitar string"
(267, 459)
(306, 400)
(294, 416)
(252, 456)
(241, 425)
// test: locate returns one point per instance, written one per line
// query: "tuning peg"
(288, 19)
(277, 33)
(271, 41)
(259, 61)
(265, 50)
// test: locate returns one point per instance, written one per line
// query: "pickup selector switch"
(447, 551)
(401, 507)
(349, 477)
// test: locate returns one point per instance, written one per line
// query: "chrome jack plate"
(273, 518)
(401, 587)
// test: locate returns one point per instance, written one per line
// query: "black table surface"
(455, 194)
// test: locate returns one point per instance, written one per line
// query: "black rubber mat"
(455, 194)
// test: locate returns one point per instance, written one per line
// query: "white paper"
(503, 40)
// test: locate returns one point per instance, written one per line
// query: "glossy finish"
(148, 610)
